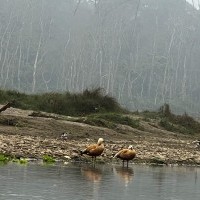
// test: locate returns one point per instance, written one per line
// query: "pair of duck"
(95, 150)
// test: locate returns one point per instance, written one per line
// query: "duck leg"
(93, 159)
(127, 164)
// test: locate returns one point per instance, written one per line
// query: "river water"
(109, 182)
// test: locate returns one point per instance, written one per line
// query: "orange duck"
(126, 154)
(94, 150)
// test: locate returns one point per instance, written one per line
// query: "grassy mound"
(110, 120)
(171, 122)
(78, 104)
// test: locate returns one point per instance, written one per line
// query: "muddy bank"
(158, 151)
(25, 136)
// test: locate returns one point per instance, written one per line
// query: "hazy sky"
(195, 3)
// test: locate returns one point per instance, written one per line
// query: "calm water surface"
(83, 181)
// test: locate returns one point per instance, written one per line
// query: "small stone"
(67, 157)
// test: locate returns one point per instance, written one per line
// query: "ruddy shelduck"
(126, 154)
(94, 150)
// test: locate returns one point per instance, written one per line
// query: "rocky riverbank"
(25, 136)
(157, 151)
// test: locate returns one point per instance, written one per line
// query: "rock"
(67, 157)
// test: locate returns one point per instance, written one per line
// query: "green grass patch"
(4, 158)
(167, 125)
(20, 160)
(23, 161)
(48, 159)
(110, 120)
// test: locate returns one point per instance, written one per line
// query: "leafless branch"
(77, 6)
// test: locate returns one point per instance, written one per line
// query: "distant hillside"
(144, 53)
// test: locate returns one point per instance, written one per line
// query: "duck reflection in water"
(125, 174)
(94, 176)
(91, 173)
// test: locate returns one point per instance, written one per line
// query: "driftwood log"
(8, 105)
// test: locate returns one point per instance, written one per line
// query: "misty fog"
(142, 52)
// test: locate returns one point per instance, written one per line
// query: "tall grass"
(172, 122)
(178, 123)
(74, 104)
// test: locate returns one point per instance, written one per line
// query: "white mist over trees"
(195, 3)
(142, 52)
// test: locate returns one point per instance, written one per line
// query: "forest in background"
(144, 53)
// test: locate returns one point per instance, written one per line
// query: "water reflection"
(91, 173)
(125, 174)
(84, 181)
(196, 177)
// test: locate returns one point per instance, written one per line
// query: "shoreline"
(34, 148)
(64, 162)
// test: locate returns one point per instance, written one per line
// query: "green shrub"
(48, 159)
(167, 125)
(4, 158)
(110, 120)
(178, 123)
(23, 161)
(165, 110)
(74, 104)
